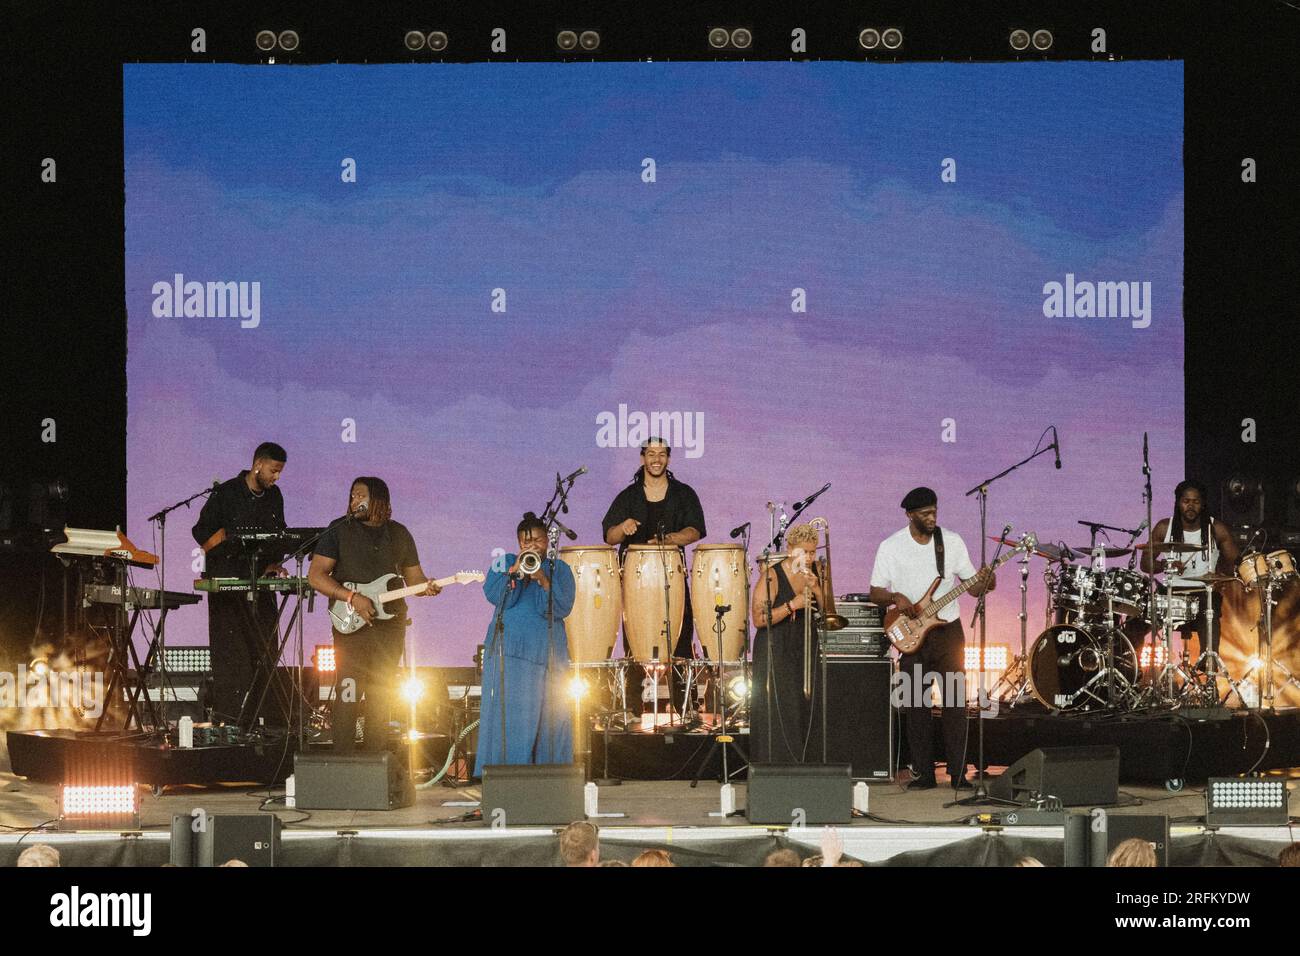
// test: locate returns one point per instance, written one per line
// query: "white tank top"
(1196, 562)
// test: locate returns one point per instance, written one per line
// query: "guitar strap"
(938, 549)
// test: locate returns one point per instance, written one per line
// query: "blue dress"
(538, 718)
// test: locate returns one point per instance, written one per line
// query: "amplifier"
(860, 612)
(359, 781)
(859, 716)
(865, 634)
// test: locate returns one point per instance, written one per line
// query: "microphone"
(1006, 531)
(800, 505)
(737, 532)
(1056, 442)
(580, 471)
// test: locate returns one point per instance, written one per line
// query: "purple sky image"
(924, 298)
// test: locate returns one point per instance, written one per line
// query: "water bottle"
(185, 732)
(290, 792)
(861, 796)
(590, 798)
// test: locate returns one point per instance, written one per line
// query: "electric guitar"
(907, 633)
(346, 619)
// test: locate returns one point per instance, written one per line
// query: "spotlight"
(1153, 655)
(996, 657)
(577, 688)
(39, 666)
(99, 807)
(324, 658)
(741, 38)
(719, 38)
(413, 735)
(288, 40)
(1019, 40)
(412, 690)
(737, 689)
(892, 38)
(266, 40)
(1232, 801)
(589, 40)
(437, 41)
(869, 38)
(566, 40)
(1042, 39)
(188, 660)
(1241, 501)
(414, 40)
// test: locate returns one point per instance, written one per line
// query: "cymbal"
(1107, 552)
(1213, 578)
(1170, 547)
(1049, 551)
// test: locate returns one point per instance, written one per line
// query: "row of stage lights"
(719, 38)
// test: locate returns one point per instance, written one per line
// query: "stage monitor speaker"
(799, 793)
(1072, 776)
(359, 781)
(532, 794)
(201, 839)
(860, 719)
(1109, 830)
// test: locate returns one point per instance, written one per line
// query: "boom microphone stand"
(981, 795)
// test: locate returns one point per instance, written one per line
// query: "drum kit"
(646, 597)
(1085, 659)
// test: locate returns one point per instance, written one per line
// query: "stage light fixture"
(719, 38)
(288, 40)
(324, 658)
(589, 40)
(1242, 502)
(869, 38)
(266, 40)
(737, 689)
(99, 807)
(39, 666)
(741, 38)
(412, 690)
(188, 660)
(1042, 40)
(1150, 651)
(1234, 801)
(437, 41)
(577, 688)
(566, 40)
(892, 38)
(1019, 40)
(996, 657)
(414, 40)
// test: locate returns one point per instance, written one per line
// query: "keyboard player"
(240, 632)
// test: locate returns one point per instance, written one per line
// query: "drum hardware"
(722, 737)
(1016, 676)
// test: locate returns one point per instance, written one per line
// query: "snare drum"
(1127, 590)
(718, 578)
(593, 623)
(1179, 608)
(1253, 567)
(644, 570)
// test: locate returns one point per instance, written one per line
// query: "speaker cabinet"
(532, 794)
(1109, 830)
(1074, 776)
(210, 840)
(357, 781)
(859, 718)
(799, 793)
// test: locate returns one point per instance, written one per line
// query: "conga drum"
(646, 567)
(592, 625)
(719, 577)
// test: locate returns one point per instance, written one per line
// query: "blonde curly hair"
(801, 534)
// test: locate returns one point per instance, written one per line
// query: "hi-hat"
(1106, 552)
(1049, 551)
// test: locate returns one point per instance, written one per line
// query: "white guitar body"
(347, 621)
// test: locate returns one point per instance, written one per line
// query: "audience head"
(1134, 851)
(1028, 861)
(654, 858)
(580, 844)
(1290, 855)
(782, 857)
(42, 854)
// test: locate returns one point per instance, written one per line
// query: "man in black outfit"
(364, 545)
(656, 505)
(240, 632)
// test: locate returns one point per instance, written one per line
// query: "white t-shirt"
(909, 568)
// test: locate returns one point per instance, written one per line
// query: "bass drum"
(593, 623)
(719, 577)
(1067, 666)
(644, 570)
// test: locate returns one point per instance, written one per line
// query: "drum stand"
(722, 738)
(1015, 679)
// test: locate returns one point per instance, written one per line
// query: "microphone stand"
(160, 636)
(550, 517)
(981, 795)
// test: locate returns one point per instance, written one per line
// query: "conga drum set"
(646, 596)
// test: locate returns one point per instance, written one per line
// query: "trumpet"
(529, 563)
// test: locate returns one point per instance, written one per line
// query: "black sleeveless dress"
(781, 704)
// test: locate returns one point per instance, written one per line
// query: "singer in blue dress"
(538, 724)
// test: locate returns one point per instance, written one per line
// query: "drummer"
(655, 506)
(1192, 524)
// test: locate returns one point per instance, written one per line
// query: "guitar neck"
(941, 603)
(413, 589)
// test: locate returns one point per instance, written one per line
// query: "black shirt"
(233, 506)
(364, 553)
(679, 509)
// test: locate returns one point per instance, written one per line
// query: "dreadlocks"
(1177, 520)
(381, 504)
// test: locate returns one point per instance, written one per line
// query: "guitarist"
(366, 544)
(907, 563)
